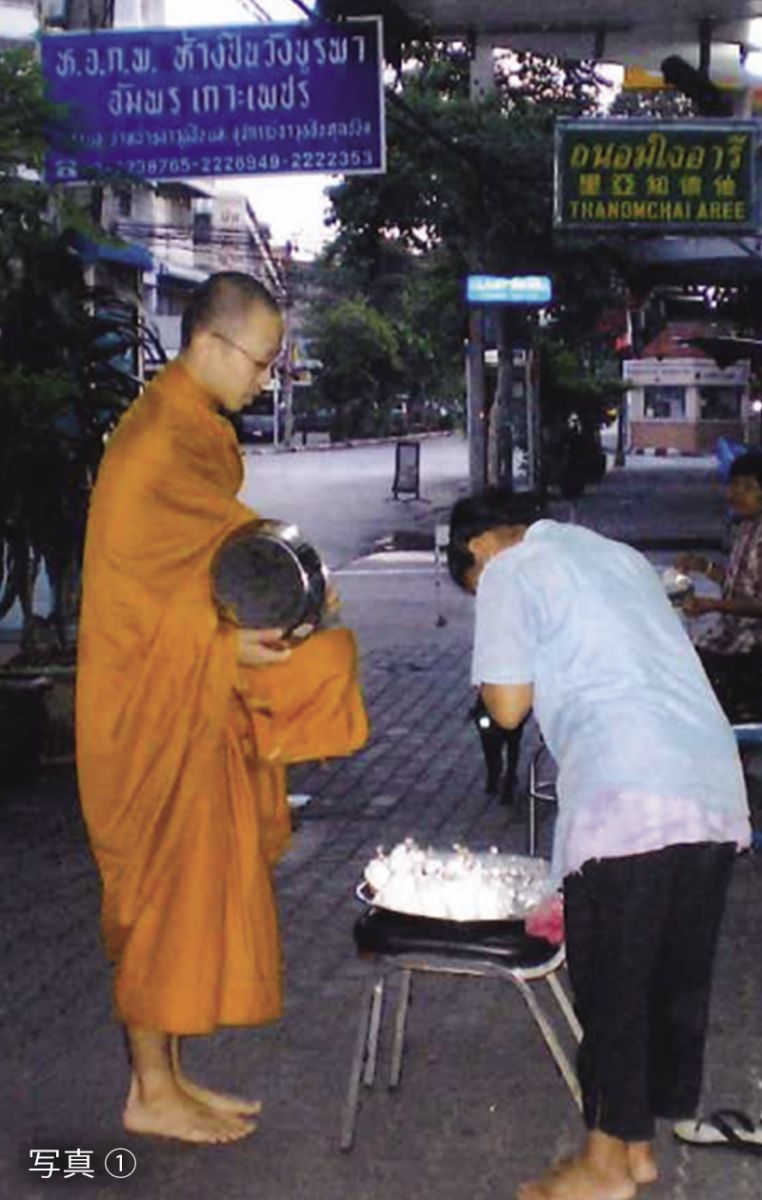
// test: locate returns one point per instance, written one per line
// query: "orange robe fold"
(180, 752)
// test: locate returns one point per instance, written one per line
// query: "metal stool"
(486, 949)
(542, 790)
(750, 734)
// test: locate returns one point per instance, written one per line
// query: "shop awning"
(123, 254)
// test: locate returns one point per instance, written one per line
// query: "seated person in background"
(731, 650)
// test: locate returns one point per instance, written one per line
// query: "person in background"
(651, 810)
(731, 650)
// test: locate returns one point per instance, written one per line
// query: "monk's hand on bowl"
(259, 647)
(332, 599)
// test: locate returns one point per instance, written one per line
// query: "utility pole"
(476, 399)
(79, 14)
(620, 455)
(90, 14)
(481, 85)
(287, 373)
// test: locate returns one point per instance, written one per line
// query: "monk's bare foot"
(580, 1179)
(171, 1113)
(642, 1163)
(220, 1101)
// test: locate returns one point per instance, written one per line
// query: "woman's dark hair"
(489, 509)
(749, 465)
(224, 296)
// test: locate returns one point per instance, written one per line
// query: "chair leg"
(565, 1004)
(374, 1028)
(551, 1040)
(370, 1016)
(532, 810)
(539, 789)
(400, 1022)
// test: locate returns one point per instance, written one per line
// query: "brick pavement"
(480, 1106)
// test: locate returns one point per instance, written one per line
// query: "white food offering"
(458, 884)
(675, 583)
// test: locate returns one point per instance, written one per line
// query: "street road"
(341, 499)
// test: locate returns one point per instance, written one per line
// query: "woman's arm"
(507, 703)
(696, 606)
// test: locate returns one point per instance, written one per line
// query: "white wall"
(131, 14)
(18, 19)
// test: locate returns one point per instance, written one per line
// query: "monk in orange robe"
(185, 722)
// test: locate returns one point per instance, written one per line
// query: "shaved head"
(225, 301)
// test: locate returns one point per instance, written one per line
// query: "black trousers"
(737, 682)
(641, 933)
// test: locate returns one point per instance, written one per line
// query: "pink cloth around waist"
(635, 822)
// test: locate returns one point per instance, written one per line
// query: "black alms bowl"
(265, 576)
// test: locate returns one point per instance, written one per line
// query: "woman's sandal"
(726, 1129)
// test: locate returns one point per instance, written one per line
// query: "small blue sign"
(509, 289)
(246, 100)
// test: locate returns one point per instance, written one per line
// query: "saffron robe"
(180, 751)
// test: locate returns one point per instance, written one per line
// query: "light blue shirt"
(645, 755)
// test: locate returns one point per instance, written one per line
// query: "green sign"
(662, 175)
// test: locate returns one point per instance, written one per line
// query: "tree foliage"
(658, 103)
(359, 350)
(568, 390)
(469, 186)
(64, 346)
(475, 178)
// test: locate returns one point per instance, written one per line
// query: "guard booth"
(502, 306)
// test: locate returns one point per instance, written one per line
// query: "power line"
(310, 12)
(178, 232)
(255, 9)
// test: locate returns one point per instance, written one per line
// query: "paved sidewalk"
(480, 1106)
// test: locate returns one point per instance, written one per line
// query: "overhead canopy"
(723, 261)
(634, 33)
(728, 350)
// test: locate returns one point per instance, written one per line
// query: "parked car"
(257, 423)
(317, 420)
(257, 427)
(398, 419)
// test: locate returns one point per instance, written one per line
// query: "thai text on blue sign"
(508, 289)
(647, 174)
(246, 100)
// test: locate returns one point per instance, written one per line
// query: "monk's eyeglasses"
(255, 362)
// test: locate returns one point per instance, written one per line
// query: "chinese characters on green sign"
(679, 175)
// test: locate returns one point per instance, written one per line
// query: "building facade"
(164, 237)
(189, 231)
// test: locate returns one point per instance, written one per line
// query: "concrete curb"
(352, 444)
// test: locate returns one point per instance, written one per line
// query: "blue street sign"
(244, 100)
(509, 289)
